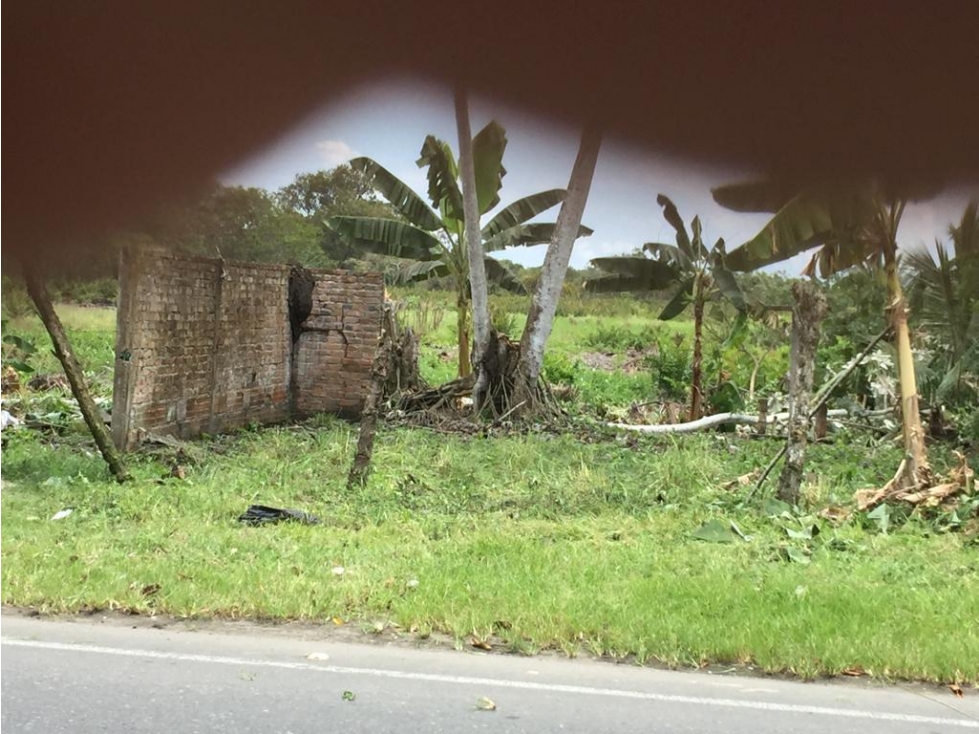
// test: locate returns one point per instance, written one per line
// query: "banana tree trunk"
(73, 371)
(543, 306)
(696, 380)
(479, 288)
(916, 466)
(462, 332)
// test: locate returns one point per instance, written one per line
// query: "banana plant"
(698, 275)
(944, 293)
(431, 239)
(843, 225)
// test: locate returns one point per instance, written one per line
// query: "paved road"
(81, 677)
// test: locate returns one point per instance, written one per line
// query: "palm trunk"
(916, 466)
(73, 371)
(543, 307)
(696, 389)
(473, 239)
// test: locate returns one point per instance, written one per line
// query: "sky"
(388, 122)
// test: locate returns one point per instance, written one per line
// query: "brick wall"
(337, 346)
(204, 345)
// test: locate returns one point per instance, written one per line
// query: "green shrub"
(968, 422)
(618, 338)
(670, 368)
(504, 321)
(560, 368)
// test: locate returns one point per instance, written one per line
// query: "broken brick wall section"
(204, 345)
(336, 349)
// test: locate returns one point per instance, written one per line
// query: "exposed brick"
(210, 345)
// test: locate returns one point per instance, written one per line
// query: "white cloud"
(335, 152)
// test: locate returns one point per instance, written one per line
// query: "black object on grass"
(262, 515)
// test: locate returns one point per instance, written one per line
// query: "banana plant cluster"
(844, 224)
(431, 239)
(944, 292)
(699, 275)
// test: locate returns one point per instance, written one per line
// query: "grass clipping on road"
(520, 543)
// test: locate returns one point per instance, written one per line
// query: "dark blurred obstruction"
(114, 106)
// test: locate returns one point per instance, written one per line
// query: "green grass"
(578, 543)
(597, 390)
(91, 331)
(543, 541)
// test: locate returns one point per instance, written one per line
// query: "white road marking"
(499, 683)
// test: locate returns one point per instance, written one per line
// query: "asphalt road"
(82, 677)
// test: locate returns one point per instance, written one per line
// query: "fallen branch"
(820, 399)
(711, 421)
(768, 470)
(436, 397)
(960, 481)
(826, 390)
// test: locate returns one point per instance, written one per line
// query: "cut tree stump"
(361, 467)
(395, 369)
(808, 313)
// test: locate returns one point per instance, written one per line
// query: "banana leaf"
(488, 148)
(386, 236)
(809, 220)
(672, 216)
(679, 301)
(656, 274)
(421, 271)
(499, 274)
(411, 206)
(537, 233)
(523, 210)
(443, 175)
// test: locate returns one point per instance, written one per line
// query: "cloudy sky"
(389, 123)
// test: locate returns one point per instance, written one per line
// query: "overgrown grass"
(91, 331)
(580, 544)
(532, 541)
(632, 325)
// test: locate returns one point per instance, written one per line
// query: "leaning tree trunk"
(543, 307)
(915, 467)
(696, 379)
(807, 315)
(73, 371)
(473, 240)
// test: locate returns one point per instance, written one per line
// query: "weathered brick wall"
(337, 346)
(204, 345)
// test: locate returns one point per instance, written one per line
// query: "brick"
(186, 373)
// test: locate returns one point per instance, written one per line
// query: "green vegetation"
(564, 536)
(534, 541)
(697, 274)
(580, 540)
(432, 240)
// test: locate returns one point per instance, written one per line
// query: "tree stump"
(395, 370)
(361, 467)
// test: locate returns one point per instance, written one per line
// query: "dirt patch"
(633, 361)
(599, 361)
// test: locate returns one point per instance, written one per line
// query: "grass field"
(582, 542)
